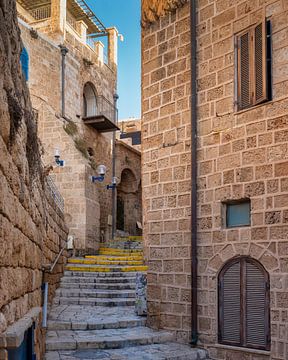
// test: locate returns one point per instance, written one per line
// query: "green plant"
(70, 128)
(81, 146)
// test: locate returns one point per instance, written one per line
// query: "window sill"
(239, 112)
(243, 349)
(14, 334)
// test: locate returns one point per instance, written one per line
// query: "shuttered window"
(253, 66)
(243, 301)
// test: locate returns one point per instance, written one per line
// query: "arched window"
(243, 304)
(90, 100)
(24, 60)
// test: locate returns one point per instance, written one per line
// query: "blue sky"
(125, 15)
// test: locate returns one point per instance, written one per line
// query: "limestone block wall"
(32, 228)
(166, 169)
(240, 155)
(83, 148)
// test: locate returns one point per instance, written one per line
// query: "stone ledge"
(14, 335)
(238, 348)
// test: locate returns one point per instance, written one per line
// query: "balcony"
(100, 115)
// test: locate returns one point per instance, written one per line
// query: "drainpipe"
(194, 320)
(64, 52)
(114, 206)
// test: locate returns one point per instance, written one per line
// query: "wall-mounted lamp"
(57, 159)
(101, 170)
(114, 183)
(121, 37)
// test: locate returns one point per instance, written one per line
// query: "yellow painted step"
(106, 269)
(115, 258)
(104, 262)
(122, 251)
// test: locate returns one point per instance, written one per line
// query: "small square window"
(238, 214)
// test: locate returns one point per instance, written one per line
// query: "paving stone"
(105, 338)
(93, 317)
(171, 351)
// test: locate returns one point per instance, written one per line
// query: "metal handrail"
(51, 268)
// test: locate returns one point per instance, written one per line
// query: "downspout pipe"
(64, 52)
(114, 205)
(193, 104)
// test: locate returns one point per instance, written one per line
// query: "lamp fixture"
(58, 161)
(101, 170)
(114, 183)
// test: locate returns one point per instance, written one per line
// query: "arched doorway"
(89, 100)
(128, 203)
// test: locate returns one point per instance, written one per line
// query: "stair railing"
(49, 269)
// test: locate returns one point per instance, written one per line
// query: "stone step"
(104, 262)
(73, 285)
(93, 302)
(101, 275)
(106, 294)
(93, 314)
(103, 268)
(120, 251)
(95, 324)
(115, 258)
(99, 280)
(169, 351)
(104, 339)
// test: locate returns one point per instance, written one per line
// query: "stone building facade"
(242, 156)
(77, 118)
(32, 228)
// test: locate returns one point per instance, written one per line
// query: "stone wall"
(32, 226)
(166, 170)
(81, 146)
(240, 155)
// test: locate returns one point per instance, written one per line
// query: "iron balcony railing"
(105, 108)
(52, 188)
(42, 12)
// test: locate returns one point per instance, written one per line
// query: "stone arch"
(128, 202)
(90, 107)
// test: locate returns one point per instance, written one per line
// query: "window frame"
(267, 69)
(243, 343)
(225, 212)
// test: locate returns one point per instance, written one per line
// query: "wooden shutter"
(244, 71)
(256, 306)
(260, 63)
(252, 78)
(243, 300)
(231, 305)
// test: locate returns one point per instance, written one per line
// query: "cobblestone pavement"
(93, 317)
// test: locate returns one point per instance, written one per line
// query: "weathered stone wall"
(166, 170)
(32, 226)
(83, 199)
(240, 155)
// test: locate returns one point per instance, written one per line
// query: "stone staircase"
(93, 315)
